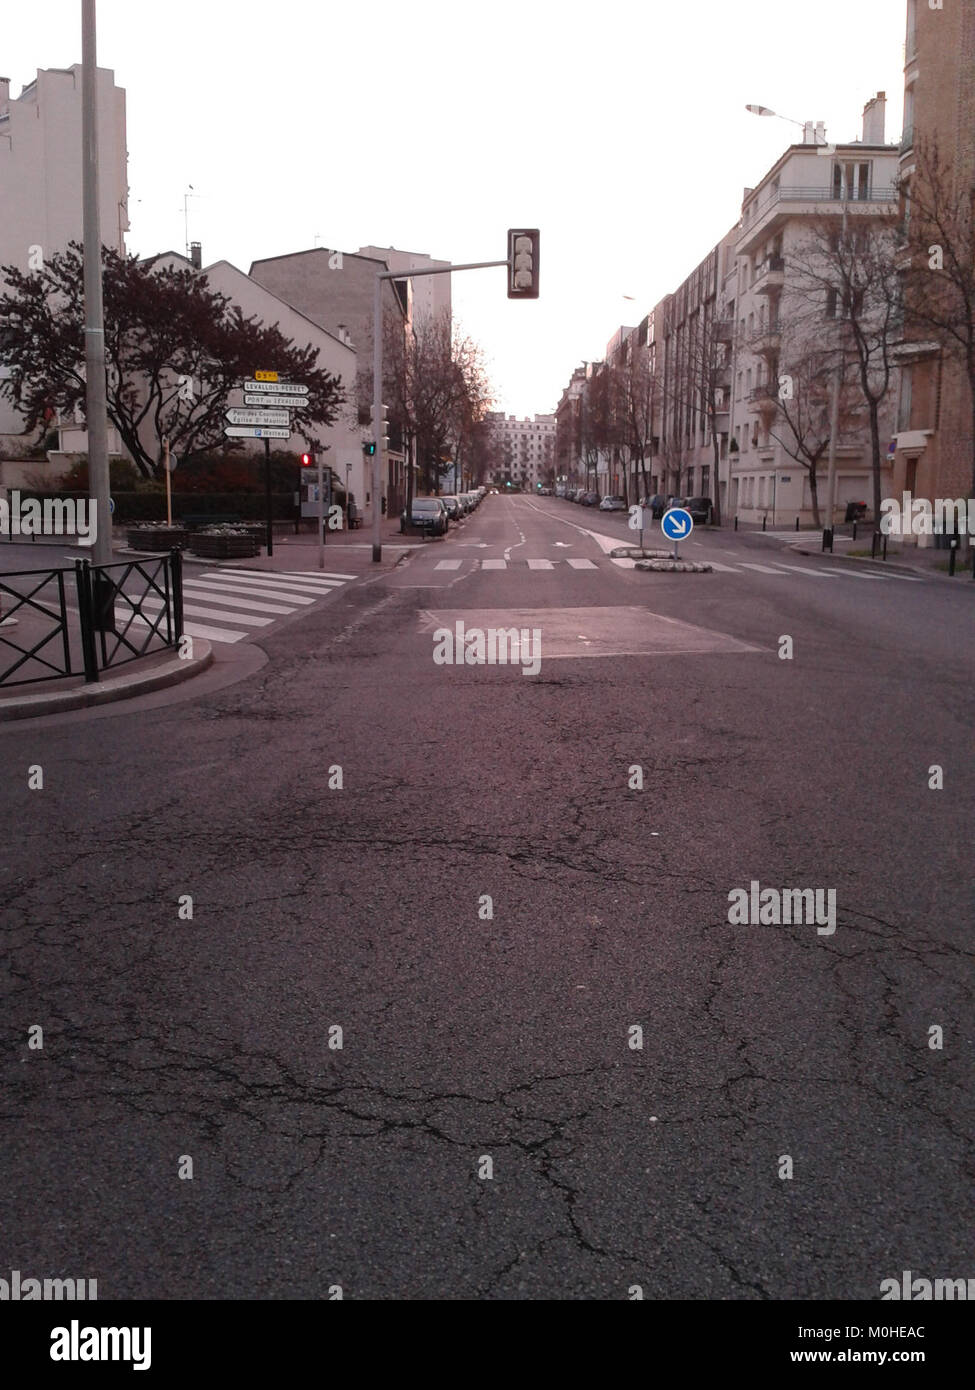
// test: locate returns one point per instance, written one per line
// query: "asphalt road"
(469, 1037)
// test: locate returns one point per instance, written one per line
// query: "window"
(831, 298)
(904, 405)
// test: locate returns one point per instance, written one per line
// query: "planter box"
(224, 547)
(163, 538)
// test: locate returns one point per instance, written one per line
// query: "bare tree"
(939, 232)
(847, 283)
(634, 398)
(802, 419)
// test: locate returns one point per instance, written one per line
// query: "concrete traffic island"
(633, 552)
(671, 566)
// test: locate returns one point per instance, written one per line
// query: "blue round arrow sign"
(677, 524)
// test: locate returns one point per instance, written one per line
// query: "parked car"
(656, 505)
(428, 514)
(493, 492)
(544, 492)
(613, 504)
(453, 507)
(590, 499)
(578, 495)
(700, 509)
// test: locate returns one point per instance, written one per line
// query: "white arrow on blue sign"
(677, 524)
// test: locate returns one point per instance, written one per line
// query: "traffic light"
(369, 448)
(523, 263)
(382, 433)
(308, 460)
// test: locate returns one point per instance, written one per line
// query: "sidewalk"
(914, 559)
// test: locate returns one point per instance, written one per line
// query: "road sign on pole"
(677, 524)
(258, 417)
(274, 388)
(291, 402)
(255, 432)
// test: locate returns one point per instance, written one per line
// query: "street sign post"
(258, 417)
(677, 524)
(255, 432)
(274, 388)
(290, 402)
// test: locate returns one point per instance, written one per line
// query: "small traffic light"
(369, 448)
(382, 433)
(523, 248)
(307, 460)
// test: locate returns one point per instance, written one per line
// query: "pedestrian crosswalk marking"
(763, 569)
(722, 569)
(804, 569)
(540, 565)
(318, 574)
(286, 576)
(250, 619)
(298, 585)
(214, 593)
(448, 564)
(208, 634)
(855, 574)
(260, 591)
(494, 564)
(581, 564)
(247, 583)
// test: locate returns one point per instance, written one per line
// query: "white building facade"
(523, 451)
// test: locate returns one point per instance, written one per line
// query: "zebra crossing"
(237, 603)
(775, 569)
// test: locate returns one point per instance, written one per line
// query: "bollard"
(797, 523)
(873, 546)
(736, 523)
(951, 561)
(764, 519)
(828, 539)
(885, 545)
(854, 529)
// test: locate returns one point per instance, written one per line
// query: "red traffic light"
(307, 460)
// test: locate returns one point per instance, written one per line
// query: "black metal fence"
(120, 613)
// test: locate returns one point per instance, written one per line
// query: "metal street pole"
(96, 418)
(377, 415)
(321, 517)
(269, 537)
(834, 418)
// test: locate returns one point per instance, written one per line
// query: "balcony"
(722, 420)
(777, 205)
(724, 330)
(763, 399)
(767, 342)
(769, 276)
(907, 139)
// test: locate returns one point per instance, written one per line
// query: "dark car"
(656, 505)
(700, 509)
(428, 514)
(590, 499)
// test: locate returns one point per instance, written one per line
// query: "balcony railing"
(826, 195)
(763, 397)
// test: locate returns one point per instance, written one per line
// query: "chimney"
(875, 120)
(820, 132)
(809, 133)
(4, 94)
(196, 255)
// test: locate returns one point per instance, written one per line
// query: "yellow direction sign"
(265, 376)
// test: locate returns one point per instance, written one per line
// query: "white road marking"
(209, 634)
(722, 569)
(854, 574)
(261, 590)
(494, 564)
(804, 569)
(212, 591)
(580, 564)
(305, 574)
(448, 565)
(219, 613)
(273, 581)
(763, 569)
(540, 564)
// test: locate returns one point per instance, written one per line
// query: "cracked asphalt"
(466, 1037)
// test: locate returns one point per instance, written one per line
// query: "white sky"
(618, 128)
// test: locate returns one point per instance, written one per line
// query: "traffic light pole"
(377, 383)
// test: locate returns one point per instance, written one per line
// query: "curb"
(673, 566)
(868, 560)
(107, 692)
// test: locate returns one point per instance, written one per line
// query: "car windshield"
(426, 504)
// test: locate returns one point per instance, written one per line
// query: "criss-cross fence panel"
(35, 642)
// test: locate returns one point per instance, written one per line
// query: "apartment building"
(523, 450)
(774, 241)
(431, 293)
(933, 434)
(335, 290)
(41, 177)
(568, 424)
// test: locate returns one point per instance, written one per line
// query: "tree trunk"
(716, 499)
(814, 493)
(875, 450)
